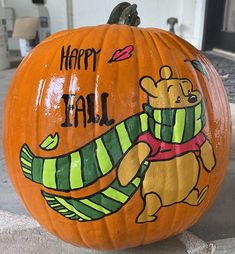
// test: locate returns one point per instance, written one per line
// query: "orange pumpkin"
(116, 136)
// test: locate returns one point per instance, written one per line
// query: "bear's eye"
(178, 99)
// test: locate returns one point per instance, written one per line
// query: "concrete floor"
(218, 223)
(226, 69)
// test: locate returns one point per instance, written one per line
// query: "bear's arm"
(131, 162)
(207, 155)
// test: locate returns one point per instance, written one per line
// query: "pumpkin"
(116, 136)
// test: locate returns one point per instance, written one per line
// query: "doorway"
(219, 29)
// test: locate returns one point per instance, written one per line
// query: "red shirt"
(165, 151)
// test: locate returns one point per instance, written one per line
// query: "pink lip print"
(122, 54)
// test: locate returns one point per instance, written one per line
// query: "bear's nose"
(192, 98)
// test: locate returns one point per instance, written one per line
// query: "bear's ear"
(165, 72)
(148, 85)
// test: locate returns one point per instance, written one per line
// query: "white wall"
(57, 11)
(153, 13)
(191, 21)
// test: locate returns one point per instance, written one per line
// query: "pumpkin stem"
(124, 13)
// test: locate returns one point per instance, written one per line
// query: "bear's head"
(170, 92)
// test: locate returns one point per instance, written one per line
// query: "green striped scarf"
(177, 125)
(87, 164)
(96, 159)
(98, 205)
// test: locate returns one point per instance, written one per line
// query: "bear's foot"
(195, 198)
(202, 195)
(145, 218)
(151, 205)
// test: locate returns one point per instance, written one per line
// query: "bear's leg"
(195, 198)
(152, 203)
(202, 195)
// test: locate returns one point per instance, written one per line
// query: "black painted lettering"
(105, 120)
(68, 107)
(64, 58)
(82, 109)
(73, 59)
(95, 57)
(88, 53)
(81, 53)
(91, 109)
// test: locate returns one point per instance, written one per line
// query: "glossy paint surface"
(110, 60)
